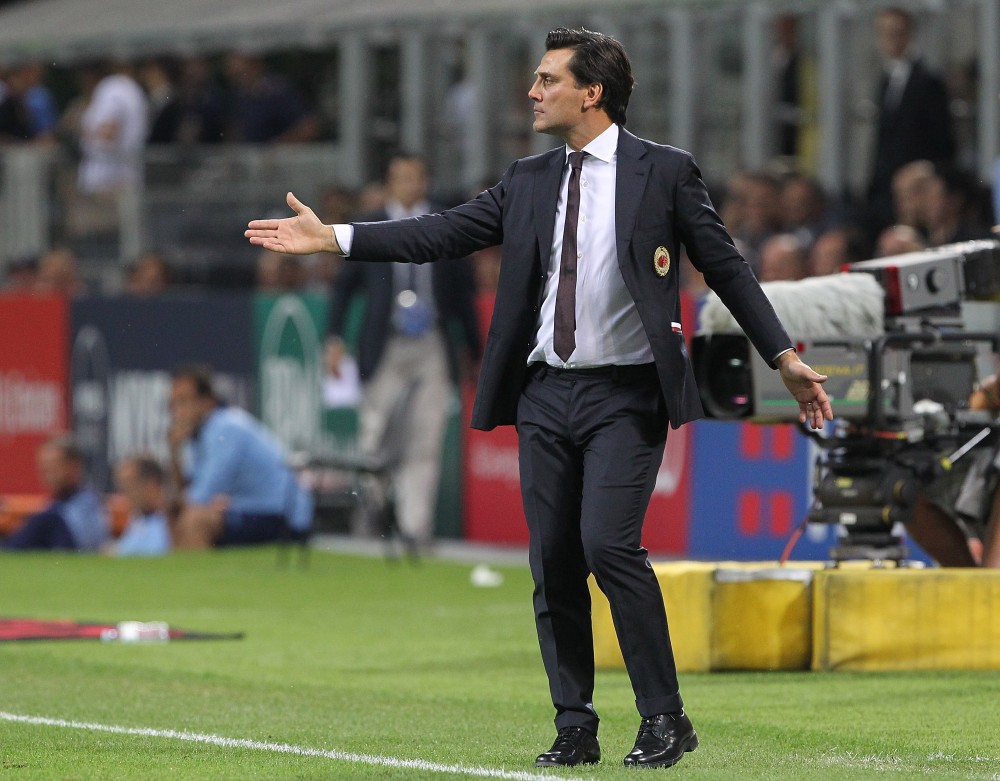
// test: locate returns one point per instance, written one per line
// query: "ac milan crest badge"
(661, 261)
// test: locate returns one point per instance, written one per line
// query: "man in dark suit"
(420, 325)
(585, 355)
(914, 122)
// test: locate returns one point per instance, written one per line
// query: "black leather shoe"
(573, 746)
(662, 741)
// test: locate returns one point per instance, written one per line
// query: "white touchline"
(284, 748)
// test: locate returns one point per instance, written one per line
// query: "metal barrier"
(193, 205)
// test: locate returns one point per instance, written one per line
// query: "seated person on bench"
(75, 519)
(235, 485)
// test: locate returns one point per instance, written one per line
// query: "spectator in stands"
(75, 519)
(788, 63)
(16, 125)
(372, 198)
(898, 240)
(40, 102)
(782, 257)
(280, 273)
(113, 131)
(150, 275)
(804, 210)
(836, 248)
(761, 214)
(159, 77)
(231, 471)
(914, 120)
(20, 275)
(58, 274)
(266, 107)
(952, 210)
(733, 207)
(909, 191)
(203, 104)
(143, 483)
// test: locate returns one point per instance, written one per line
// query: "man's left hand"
(804, 384)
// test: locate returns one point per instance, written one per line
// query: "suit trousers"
(415, 481)
(590, 446)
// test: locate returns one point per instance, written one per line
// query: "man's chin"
(539, 126)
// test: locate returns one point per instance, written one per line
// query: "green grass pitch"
(409, 663)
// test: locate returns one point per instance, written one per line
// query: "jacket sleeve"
(714, 254)
(454, 233)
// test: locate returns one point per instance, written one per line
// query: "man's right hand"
(333, 354)
(177, 435)
(302, 234)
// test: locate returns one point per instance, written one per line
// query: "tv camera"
(901, 369)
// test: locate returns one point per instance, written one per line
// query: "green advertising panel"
(289, 331)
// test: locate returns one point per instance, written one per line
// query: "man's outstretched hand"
(804, 384)
(302, 234)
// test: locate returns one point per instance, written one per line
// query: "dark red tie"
(564, 333)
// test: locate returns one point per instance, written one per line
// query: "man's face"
(128, 482)
(909, 192)
(187, 408)
(559, 102)
(406, 181)
(57, 472)
(892, 34)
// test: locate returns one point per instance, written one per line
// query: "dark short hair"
(200, 375)
(597, 59)
(903, 14)
(68, 447)
(403, 156)
(148, 468)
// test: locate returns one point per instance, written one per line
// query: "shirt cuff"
(345, 238)
(774, 360)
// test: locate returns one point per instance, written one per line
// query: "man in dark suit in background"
(585, 355)
(914, 122)
(420, 325)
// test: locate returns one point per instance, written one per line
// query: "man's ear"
(593, 95)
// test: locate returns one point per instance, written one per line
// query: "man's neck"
(584, 133)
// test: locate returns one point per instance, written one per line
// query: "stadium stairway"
(759, 616)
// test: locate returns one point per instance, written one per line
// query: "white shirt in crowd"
(111, 161)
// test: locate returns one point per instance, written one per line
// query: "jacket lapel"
(633, 171)
(546, 197)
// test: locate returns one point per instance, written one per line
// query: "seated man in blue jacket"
(143, 483)
(76, 518)
(237, 488)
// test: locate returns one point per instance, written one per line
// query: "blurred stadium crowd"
(111, 119)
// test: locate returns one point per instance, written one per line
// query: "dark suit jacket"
(453, 282)
(918, 127)
(660, 201)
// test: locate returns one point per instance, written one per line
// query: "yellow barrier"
(761, 619)
(737, 616)
(687, 588)
(907, 619)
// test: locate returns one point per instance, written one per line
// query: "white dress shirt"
(898, 74)
(608, 329)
